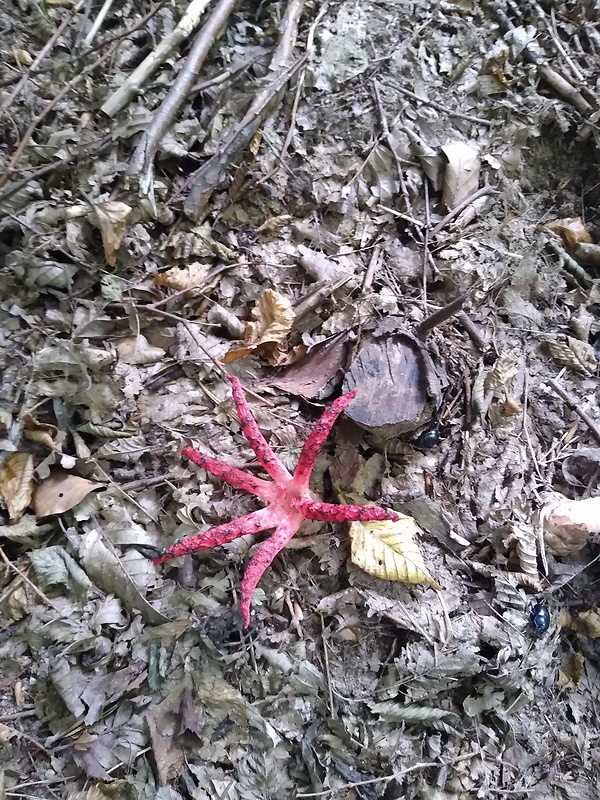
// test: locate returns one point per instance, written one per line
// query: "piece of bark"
(398, 386)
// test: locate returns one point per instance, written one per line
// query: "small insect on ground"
(540, 618)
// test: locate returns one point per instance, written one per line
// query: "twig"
(332, 713)
(393, 776)
(442, 314)
(439, 106)
(184, 28)
(372, 268)
(98, 22)
(560, 85)
(474, 335)
(487, 189)
(29, 583)
(212, 172)
(574, 406)
(143, 157)
(40, 57)
(425, 241)
(388, 137)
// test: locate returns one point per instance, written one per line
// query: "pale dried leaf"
(461, 177)
(43, 433)
(389, 550)
(25, 531)
(16, 483)
(525, 539)
(567, 524)
(503, 371)
(183, 278)
(112, 218)
(137, 350)
(61, 492)
(437, 718)
(575, 354)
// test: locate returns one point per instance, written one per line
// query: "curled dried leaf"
(16, 484)
(267, 336)
(183, 278)
(389, 550)
(571, 230)
(567, 524)
(43, 433)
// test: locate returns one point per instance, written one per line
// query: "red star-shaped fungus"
(287, 496)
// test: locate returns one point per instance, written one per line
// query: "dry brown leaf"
(16, 484)
(389, 550)
(112, 218)
(268, 335)
(571, 230)
(43, 433)
(60, 492)
(183, 278)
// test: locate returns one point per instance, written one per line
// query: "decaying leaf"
(61, 492)
(311, 376)
(574, 353)
(526, 545)
(587, 623)
(503, 371)
(112, 218)
(389, 550)
(267, 336)
(138, 350)
(26, 531)
(16, 483)
(43, 433)
(109, 574)
(571, 230)
(567, 524)
(461, 176)
(53, 565)
(183, 278)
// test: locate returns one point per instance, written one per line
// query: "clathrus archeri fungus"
(288, 497)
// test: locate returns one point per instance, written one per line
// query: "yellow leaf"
(268, 334)
(389, 550)
(16, 483)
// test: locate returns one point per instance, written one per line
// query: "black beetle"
(427, 439)
(540, 618)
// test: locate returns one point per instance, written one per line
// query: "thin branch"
(184, 28)
(574, 406)
(143, 157)
(487, 189)
(393, 776)
(442, 314)
(212, 172)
